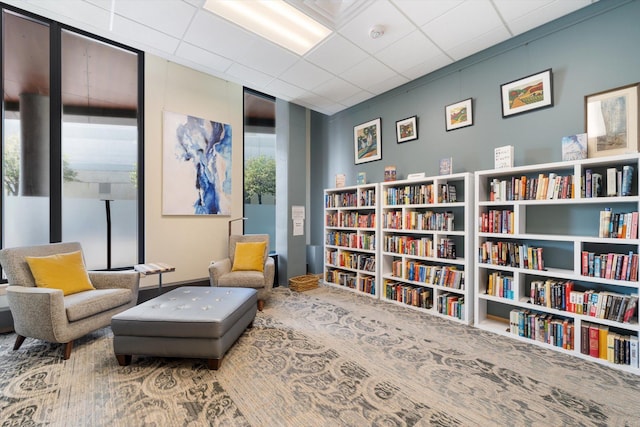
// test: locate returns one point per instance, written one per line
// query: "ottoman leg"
(214, 364)
(123, 359)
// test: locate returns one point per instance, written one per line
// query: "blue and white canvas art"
(196, 166)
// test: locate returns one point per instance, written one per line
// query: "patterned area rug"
(319, 358)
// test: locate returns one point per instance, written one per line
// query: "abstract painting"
(196, 166)
(366, 140)
(527, 94)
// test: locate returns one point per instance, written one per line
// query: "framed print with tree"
(366, 139)
(458, 115)
(611, 120)
(407, 129)
(527, 94)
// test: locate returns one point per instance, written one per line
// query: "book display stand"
(350, 230)
(557, 260)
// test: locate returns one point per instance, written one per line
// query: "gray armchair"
(47, 314)
(221, 274)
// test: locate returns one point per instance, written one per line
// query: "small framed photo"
(611, 120)
(527, 94)
(366, 139)
(458, 115)
(407, 129)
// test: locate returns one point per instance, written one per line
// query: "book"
(341, 180)
(362, 178)
(446, 166)
(503, 157)
(627, 180)
(574, 147)
(612, 177)
(389, 173)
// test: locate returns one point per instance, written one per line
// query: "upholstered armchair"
(43, 312)
(247, 266)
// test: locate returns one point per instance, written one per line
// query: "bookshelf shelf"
(425, 238)
(351, 238)
(581, 295)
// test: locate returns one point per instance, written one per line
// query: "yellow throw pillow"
(249, 256)
(61, 271)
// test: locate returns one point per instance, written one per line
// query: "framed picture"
(527, 94)
(407, 129)
(611, 121)
(458, 115)
(366, 139)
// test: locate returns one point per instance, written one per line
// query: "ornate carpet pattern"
(325, 357)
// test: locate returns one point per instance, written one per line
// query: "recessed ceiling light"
(274, 20)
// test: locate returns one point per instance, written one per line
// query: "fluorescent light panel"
(274, 20)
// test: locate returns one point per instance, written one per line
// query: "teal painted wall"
(591, 50)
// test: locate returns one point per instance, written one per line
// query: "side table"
(154, 268)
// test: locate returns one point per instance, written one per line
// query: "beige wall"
(187, 242)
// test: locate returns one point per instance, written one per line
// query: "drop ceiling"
(348, 67)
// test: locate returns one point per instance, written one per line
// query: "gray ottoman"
(191, 321)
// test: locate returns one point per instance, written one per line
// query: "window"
(72, 141)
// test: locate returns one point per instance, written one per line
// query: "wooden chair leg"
(19, 340)
(260, 304)
(67, 350)
(123, 359)
(214, 364)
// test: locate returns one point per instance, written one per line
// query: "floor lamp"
(234, 220)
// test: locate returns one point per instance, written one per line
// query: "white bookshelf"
(520, 301)
(351, 238)
(418, 229)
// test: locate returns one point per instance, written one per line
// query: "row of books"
(562, 295)
(618, 225)
(447, 193)
(450, 305)
(365, 241)
(350, 219)
(407, 294)
(367, 284)
(497, 221)
(610, 266)
(351, 260)
(543, 187)
(447, 276)
(542, 327)
(500, 285)
(617, 183)
(417, 194)
(341, 200)
(419, 220)
(511, 254)
(408, 245)
(340, 277)
(368, 197)
(598, 341)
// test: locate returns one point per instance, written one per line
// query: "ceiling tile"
(359, 97)
(218, 36)
(422, 12)
(337, 90)
(409, 52)
(463, 24)
(336, 54)
(427, 67)
(305, 75)
(284, 90)
(388, 84)
(479, 43)
(368, 73)
(150, 38)
(168, 16)
(268, 57)
(381, 12)
(249, 76)
(205, 58)
(533, 13)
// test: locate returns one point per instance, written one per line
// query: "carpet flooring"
(325, 357)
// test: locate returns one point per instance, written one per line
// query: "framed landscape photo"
(611, 121)
(458, 115)
(527, 94)
(407, 129)
(366, 139)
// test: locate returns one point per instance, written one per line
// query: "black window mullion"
(55, 132)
